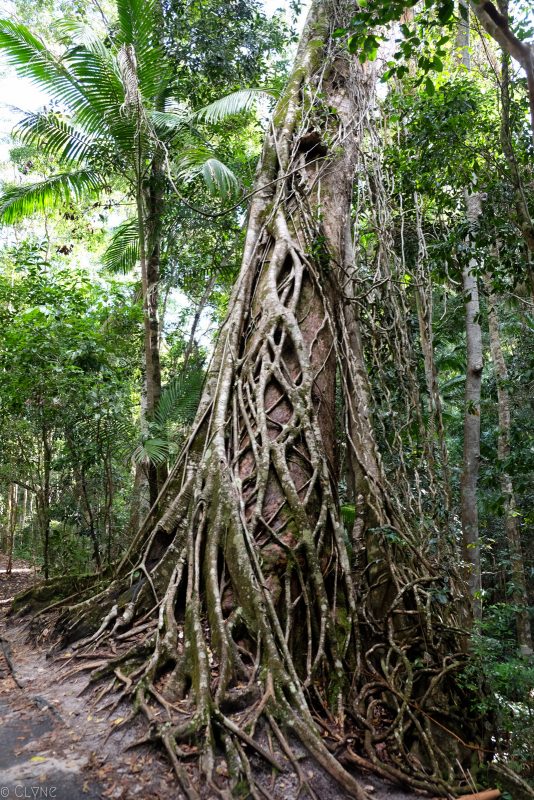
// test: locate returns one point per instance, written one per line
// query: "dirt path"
(22, 577)
(38, 755)
(55, 741)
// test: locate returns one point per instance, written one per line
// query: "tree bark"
(43, 499)
(496, 25)
(149, 247)
(12, 501)
(471, 453)
(473, 384)
(513, 534)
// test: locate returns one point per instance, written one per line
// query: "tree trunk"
(524, 218)
(109, 493)
(149, 258)
(261, 608)
(513, 535)
(12, 501)
(81, 483)
(43, 500)
(473, 386)
(423, 299)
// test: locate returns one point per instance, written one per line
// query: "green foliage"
(19, 202)
(174, 413)
(104, 130)
(67, 357)
(423, 38)
(509, 686)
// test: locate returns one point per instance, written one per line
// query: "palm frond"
(32, 59)
(153, 450)
(122, 252)
(73, 32)
(86, 82)
(234, 103)
(138, 28)
(30, 198)
(168, 121)
(179, 400)
(55, 136)
(98, 79)
(201, 162)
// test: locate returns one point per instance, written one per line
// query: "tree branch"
(496, 25)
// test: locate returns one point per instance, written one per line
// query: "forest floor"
(54, 737)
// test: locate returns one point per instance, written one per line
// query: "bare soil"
(57, 741)
(23, 575)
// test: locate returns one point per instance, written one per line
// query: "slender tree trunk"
(150, 209)
(109, 492)
(12, 503)
(93, 532)
(423, 297)
(513, 534)
(471, 454)
(43, 499)
(5, 517)
(24, 508)
(79, 473)
(473, 385)
(202, 303)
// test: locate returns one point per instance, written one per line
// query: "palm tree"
(117, 120)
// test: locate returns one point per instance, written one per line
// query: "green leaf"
(430, 89)
(348, 514)
(445, 11)
(353, 44)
